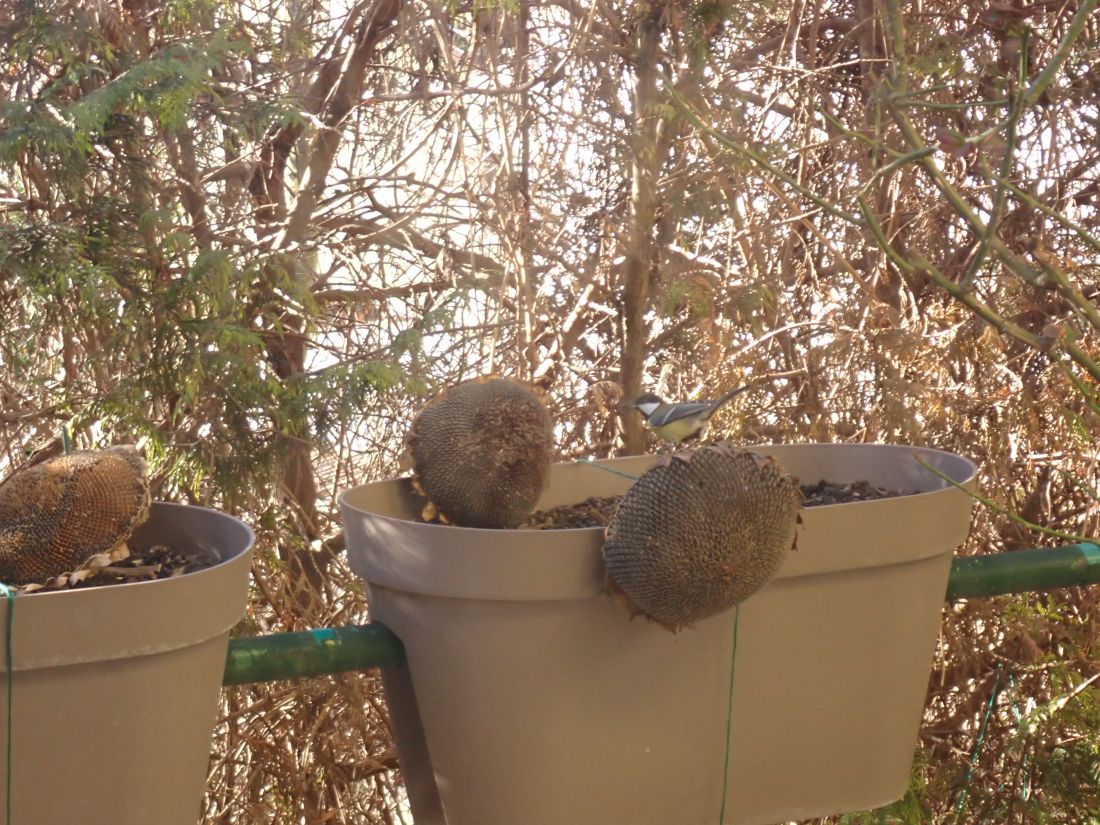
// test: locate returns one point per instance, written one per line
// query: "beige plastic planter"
(528, 698)
(115, 689)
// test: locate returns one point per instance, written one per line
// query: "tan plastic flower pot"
(529, 698)
(115, 689)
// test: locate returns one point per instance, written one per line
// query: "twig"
(997, 508)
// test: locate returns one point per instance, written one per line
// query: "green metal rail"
(359, 647)
(1024, 571)
(311, 653)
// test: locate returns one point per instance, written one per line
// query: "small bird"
(675, 422)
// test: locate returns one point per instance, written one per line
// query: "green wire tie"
(729, 717)
(9, 594)
(1091, 553)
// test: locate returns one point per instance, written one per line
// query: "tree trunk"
(640, 252)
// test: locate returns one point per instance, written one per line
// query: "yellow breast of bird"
(679, 429)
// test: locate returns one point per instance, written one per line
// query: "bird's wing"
(675, 412)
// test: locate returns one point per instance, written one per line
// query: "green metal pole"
(311, 653)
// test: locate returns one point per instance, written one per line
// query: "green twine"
(729, 717)
(733, 667)
(9, 594)
(961, 805)
(605, 469)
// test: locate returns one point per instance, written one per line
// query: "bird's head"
(647, 403)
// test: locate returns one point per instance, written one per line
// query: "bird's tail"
(727, 397)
